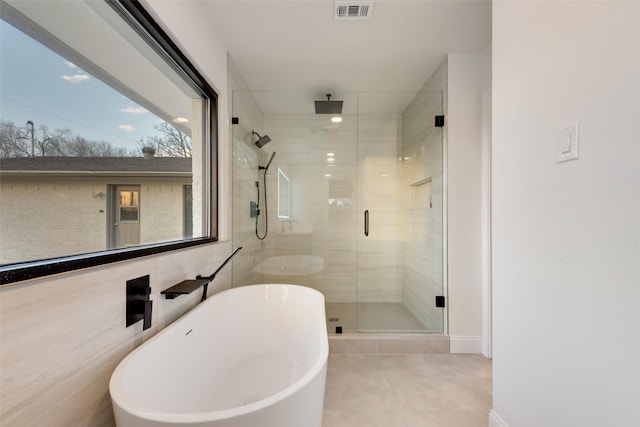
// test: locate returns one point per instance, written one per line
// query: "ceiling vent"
(346, 10)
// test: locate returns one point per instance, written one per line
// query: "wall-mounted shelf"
(184, 287)
(420, 192)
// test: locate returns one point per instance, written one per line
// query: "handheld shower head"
(266, 168)
(262, 140)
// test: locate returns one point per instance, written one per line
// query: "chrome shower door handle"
(366, 222)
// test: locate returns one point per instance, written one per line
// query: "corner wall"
(62, 337)
(468, 75)
(566, 277)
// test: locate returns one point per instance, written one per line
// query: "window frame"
(143, 23)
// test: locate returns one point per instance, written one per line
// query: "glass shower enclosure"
(353, 208)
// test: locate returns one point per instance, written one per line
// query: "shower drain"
(334, 319)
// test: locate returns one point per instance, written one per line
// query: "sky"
(39, 85)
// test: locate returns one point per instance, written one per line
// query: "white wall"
(63, 336)
(467, 78)
(566, 276)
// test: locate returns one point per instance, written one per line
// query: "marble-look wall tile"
(63, 336)
(422, 229)
(246, 160)
(379, 145)
(335, 173)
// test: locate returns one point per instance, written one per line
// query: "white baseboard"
(463, 344)
(495, 420)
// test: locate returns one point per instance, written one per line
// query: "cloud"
(127, 128)
(70, 64)
(76, 78)
(134, 110)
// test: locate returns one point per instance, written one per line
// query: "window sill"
(14, 273)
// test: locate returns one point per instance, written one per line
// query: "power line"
(70, 121)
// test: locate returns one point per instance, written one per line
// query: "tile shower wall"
(379, 256)
(328, 196)
(323, 189)
(246, 159)
(422, 231)
(369, 161)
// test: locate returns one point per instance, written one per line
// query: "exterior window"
(107, 138)
(129, 206)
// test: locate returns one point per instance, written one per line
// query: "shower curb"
(389, 344)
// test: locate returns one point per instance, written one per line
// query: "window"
(107, 139)
(129, 205)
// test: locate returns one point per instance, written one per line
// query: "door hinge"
(440, 301)
(439, 121)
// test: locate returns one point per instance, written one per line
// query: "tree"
(48, 143)
(172, 143)
(16, 142)
(13, 140)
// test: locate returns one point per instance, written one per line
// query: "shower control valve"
(254, 211)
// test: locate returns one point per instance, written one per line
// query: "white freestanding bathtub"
(253, 356)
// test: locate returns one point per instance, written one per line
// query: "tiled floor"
(436, 390)
(371, 317)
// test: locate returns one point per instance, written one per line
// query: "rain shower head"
(328, 106)
(262, 140)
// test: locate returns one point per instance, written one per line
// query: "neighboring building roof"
(97, 165)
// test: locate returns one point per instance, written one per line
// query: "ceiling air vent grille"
(345, 10)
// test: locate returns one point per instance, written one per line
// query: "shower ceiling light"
(336, 119)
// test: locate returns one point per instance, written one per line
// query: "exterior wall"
(42, 219)
(46, 220)
(63, 336)
(566, 277)
(161, 212)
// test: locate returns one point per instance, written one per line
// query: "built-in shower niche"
(420, 194)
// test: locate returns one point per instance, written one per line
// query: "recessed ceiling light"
(327, 175)
(331, 159)
(180, 120)
(336, 119)
(331, 154)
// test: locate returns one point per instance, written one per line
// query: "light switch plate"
(568, 142)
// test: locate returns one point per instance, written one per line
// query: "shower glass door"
(400, 206)
(385, 158)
